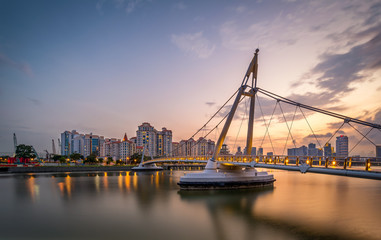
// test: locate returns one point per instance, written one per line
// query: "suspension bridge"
(340, 164)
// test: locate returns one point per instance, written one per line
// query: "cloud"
(35, 101)
(180, 6)
(131, 5)
(326, 135)
(210, 104)
(343, 66)
(240, 9)
(99, 6)
(338, 71)
(23, 67)
(195, 44)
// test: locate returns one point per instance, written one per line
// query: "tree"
(58, 157)
(75, 156)
(62, 159)
(92, 158)
(109, 160)
(100, 160)
(119, 162)
(137, 157)
(25, 151)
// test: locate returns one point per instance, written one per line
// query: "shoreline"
(52, 169)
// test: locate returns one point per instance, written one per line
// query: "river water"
(128, 205)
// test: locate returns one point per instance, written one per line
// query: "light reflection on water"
(130, 205)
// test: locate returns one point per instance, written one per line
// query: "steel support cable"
(267, 127)
(332, 114)
(209, 119)
(363, 136)
(239, 130)
(334, 133)
(218, 123)
(309, 126)
(289, 128)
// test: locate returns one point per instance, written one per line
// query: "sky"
(106, 66)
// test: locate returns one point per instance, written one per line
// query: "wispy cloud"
(99, 6)
(132, 5)
(128, 5)
(23, 67)
(195, 44)
(210, 104)
(180, 6)
(35, 101)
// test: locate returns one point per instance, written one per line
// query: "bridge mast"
(252, 92)
(252, 69)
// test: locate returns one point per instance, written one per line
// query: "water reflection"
(109, 204)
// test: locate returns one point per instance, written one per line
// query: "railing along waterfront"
(346, 163)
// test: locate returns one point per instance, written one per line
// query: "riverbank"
(52, 169)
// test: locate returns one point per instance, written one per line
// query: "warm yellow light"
(308, 161)
(334, 163)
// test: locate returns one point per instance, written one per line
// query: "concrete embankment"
(65, 169)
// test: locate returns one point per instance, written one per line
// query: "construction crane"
(59, 145)
(14, 144)
(53, 147)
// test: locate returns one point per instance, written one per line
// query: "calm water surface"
(127, 205)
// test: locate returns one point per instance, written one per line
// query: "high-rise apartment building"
(164, 142)
(158, 143)
(112, 148)
(146, 137)
(84, 144)
(342, 146)
(175, 149)
(126, 148)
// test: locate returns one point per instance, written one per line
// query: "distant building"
(313, 151)
(146, 136)
(270, 154)
(328, 151)
(164, 142)
(175, 149)
(202, 147)
(342, 146)
(224, 150)
(126, 149)
(260, 151)
(300, 151)
(253, 151)
(159, 143)
(84, 144)
(112, 148)
(211, 147)
(239, 151)
(378, 152)
(190, 147)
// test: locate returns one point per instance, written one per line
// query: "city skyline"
(107, 66)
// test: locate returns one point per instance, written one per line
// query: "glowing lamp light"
(308, 161)
(334, 163)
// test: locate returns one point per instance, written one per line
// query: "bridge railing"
(353, 163)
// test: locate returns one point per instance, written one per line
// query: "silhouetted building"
(328, 150)
(378, 152)
(342, 146)
(260, 151)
